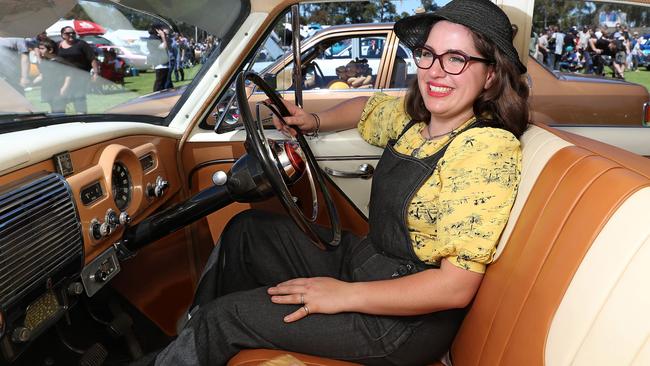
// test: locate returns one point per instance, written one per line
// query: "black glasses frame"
(436, 56)
(70, 33)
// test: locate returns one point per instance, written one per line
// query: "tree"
(387, 11)
(429, 5)
(352, 12)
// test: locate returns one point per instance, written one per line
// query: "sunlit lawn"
(642, 76)
(114, 94)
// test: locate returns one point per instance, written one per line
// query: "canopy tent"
(82, 27)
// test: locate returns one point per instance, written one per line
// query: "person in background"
(176, 58)
(54, 77)
(583, 48)
(636, 53)
(81, 56)
(14, 61)
(158, 44)
(542, 47)
(619, 48)
(559, 47)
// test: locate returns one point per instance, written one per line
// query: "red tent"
(82, 27)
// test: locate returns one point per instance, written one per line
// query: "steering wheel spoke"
(281, 163)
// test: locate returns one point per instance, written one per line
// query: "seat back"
(571, 286)
(571, 283)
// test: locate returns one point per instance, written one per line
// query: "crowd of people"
(67, 69)
(171, 53)
(589, 49)
(60, 86)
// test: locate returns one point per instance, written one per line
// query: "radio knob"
(125, 218)
(112, 219)
(95, 231)
(104, 229)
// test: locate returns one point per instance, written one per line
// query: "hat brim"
(413, 32)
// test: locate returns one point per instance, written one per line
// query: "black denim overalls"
(260, 249)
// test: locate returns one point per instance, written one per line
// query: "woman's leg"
(248, 319)
(259, 248)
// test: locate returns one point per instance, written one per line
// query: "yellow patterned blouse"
(461, 210)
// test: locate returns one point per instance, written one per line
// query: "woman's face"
(449, 96)
(68, 34)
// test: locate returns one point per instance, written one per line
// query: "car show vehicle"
(108, 217)
(130, 55)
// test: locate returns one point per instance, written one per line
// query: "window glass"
(101, 57)
(404, 69)
(330, 61)
(589, 64)
(338, 64)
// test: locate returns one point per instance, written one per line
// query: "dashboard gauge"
(121, 186)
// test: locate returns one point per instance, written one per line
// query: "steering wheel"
(264, 150)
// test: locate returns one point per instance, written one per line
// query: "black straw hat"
(481, 16)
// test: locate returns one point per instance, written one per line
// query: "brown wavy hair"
(504, 104)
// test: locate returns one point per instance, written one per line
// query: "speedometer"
(121, 186)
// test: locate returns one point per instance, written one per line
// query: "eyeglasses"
(70, 33)
(452, 62)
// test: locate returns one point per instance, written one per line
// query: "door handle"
(364, 171)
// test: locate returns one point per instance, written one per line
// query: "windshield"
(129, 57)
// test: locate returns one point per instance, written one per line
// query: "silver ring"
(302, 299)
(306, 309)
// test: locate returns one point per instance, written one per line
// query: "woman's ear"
(489, 79)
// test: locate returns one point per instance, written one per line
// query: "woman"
(451, 168)
(79, 54)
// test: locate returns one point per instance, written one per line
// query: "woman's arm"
(425, 292)
(342, 116)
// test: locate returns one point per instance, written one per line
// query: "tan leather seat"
(570, 285)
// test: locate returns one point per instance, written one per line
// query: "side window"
(404, 69)
(605, 41)
(269, 55)
(343, 63)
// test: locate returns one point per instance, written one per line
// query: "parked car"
(107, 218)
(130, 55)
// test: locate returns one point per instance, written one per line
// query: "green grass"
(112, 95)
(641, 76)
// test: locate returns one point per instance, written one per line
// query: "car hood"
(589, 78)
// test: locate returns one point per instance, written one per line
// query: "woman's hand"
(322, 295)
(306, 122)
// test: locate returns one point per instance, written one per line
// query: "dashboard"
(125, 182)
(66, 215)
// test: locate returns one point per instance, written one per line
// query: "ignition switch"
(158, 188)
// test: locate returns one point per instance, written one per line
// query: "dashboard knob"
(160, 187)
(125, 218)
(104, 229)
(112, 219)
(219, 178)
(21, 335)
(99, 276)
(95, 231)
